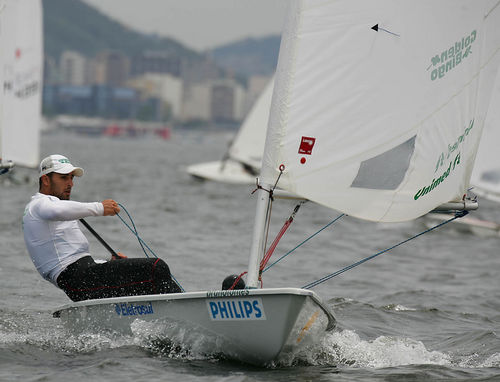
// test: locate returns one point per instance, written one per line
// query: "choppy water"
(429, 310)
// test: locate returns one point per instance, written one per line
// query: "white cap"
(60, 164)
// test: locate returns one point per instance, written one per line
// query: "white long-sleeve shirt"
(52, 234)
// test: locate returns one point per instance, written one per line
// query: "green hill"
(74, 25)
(249, 56)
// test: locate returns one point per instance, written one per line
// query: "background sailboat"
(242, 161)
(486, 175)
(21, 61)
(365, 118)
(485, 179)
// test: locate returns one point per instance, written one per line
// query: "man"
(60, 251)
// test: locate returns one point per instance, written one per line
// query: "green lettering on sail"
(451, 57)
(437, 181)
(444, 157)
(453, 146)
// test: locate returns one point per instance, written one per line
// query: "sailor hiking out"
(60, 251)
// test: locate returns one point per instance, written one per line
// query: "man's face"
(60, 185)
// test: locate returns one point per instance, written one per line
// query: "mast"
(269, 172)
(258, 240)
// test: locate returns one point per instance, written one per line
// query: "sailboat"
(377, 111)
(243, 159)
(21, 61)
(486, 175)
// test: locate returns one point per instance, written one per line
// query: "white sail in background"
(3, 163)
(486, 174)
(21, 52)
(244, 156)
(249, 143)
(379, 106)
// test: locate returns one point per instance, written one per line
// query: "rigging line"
(268, 221)
(268, 217)
(237, 280)
(281, 168)
(274, 244)
(331, 275)
(142, 242)
(280, 234)
(134, 231)
(303, 242)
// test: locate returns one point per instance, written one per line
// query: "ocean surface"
(428, 310)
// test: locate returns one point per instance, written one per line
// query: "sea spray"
(347, 348)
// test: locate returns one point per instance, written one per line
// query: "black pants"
(86, 279)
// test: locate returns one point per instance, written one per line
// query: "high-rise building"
(256, 85)
(196, 102)
(112, 68)
(156, 62)
(227, 101)
(72, 67)
(163, 86)
(51, 73)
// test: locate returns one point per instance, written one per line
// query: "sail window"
(387, 170)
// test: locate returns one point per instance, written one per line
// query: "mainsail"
(21, 60)
(379, 106)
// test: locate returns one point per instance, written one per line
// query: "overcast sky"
(199, 24)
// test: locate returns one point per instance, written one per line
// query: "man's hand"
(110, 207)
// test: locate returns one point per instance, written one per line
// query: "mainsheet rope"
(331, 275)
(134, 231)
(143, 244)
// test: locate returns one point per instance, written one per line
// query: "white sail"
(249, 143)
(378, 106)
(486, 174)
(244, 156)
(21, 52)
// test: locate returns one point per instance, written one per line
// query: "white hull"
(256, 326)
(227, 172)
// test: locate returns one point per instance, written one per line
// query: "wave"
(341, 348)
(348, 349)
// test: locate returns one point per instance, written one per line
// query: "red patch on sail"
(306, 145)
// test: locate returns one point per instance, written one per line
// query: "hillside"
(249, 56)
(74, 25)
